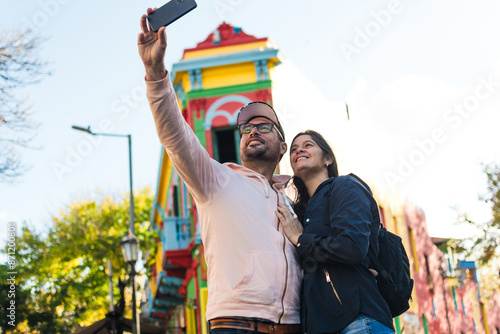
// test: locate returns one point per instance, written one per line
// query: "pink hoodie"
(253, 270)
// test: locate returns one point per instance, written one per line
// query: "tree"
(8, 294)
(64, 271)
(485, 246)
(19, 67)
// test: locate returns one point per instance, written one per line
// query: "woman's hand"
(291, 226)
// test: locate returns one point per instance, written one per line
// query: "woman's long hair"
(302, 197)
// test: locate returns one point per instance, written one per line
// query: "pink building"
(493, 314)
(446, 296)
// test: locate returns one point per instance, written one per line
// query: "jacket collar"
(326, 183)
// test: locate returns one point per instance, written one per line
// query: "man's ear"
(283, 148)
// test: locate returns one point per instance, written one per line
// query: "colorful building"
(213, 81)
(447, 294)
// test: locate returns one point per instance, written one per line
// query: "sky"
(421, 79)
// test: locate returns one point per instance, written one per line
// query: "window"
(471, 275)
(226, 143)
(176, 202)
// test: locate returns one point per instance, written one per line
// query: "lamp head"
(79, 128)
(130, 247)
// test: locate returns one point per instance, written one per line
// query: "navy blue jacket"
(338, 230)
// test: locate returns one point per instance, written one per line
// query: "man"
(253, 270)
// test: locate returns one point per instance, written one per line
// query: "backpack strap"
(371, 253)
(361, 182)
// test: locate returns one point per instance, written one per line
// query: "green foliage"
(64, 272)
(485, 246)
(19, 296)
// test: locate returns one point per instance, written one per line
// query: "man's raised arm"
(188, 156)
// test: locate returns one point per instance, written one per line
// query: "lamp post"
(89, 131)
(129, 243)
(130, 250)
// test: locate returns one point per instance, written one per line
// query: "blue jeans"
(364, 324)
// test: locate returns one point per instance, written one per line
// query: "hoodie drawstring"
(266, 185)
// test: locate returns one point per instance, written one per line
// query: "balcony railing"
(176, 233)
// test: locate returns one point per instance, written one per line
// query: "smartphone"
(170, 12)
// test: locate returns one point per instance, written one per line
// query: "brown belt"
(250, 325)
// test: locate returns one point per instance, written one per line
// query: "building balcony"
(175, 238)
(175, 233)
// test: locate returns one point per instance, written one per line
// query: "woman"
(340, 222)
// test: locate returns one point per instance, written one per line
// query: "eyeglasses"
(246, 128)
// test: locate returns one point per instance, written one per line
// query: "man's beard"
(263, 153)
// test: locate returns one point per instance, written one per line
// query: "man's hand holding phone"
(152, 46)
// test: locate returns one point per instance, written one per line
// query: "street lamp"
(89, 131)
(129, 243)
(130, 250)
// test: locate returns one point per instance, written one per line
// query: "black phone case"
(170, 12)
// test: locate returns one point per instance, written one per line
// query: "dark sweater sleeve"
(350, 221)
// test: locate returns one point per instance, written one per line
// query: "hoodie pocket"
(262, 278)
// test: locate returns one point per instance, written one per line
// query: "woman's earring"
(327, 164)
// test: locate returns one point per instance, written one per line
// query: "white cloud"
(398, 124)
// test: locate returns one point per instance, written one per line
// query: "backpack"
(393, 267)
(393, 280)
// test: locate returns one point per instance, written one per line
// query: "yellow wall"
(166, 173)
(221, 76)
(158, 265)
(225, 49)
(190, 320)
(237, 74)
(203, 308)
